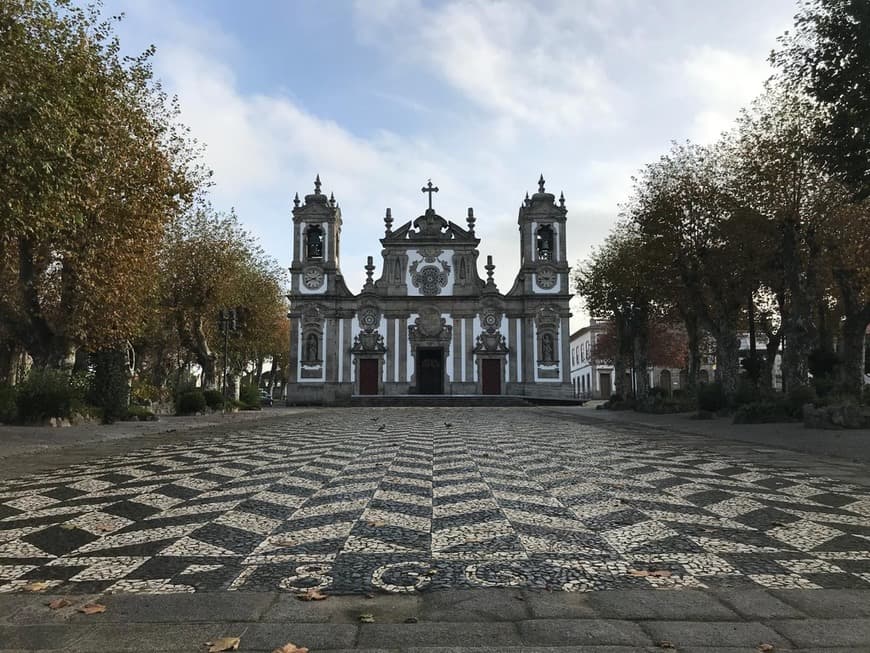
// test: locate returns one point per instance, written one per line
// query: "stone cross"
(429, 188)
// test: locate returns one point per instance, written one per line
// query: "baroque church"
(429, 325)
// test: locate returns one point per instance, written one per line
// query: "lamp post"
(228, 323)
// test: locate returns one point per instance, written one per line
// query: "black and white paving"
(403, 500)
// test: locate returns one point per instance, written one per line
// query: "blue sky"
(377, 96)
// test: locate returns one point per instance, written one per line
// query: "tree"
(92, 166)
(209, 263)
(828, 58)
(614, 283)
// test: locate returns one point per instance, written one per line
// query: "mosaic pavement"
(402, 500)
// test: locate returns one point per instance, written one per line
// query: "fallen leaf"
(366, 618)
(661, 573)
(638, 573)
(104, 528)
(765, 648)
(376, 523)
(92, 608)
(290, 647)
(224, 644)
(57, 604)
(35, 586)
(313, 594)
(411, 620)
(643, 573)
(665, 644)
(68, 527)
(369, 595)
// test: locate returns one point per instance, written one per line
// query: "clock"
(312, 277)
(546, 277)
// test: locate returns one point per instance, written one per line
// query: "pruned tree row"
(106, 241)
(767, 230)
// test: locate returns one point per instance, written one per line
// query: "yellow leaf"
(92, 608)
(367, 618)
(765, 648)
(57, 604)
(290, 647)
(313, 594)
(665, 644)
(638, 573)
(660, 573)
(224, 644)
(376, 523)
(35, 586)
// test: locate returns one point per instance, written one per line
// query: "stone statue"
(547, 348)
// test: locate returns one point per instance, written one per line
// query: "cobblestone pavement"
(355, 500)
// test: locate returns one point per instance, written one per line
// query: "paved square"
(356, 500)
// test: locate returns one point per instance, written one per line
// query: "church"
(429, 324)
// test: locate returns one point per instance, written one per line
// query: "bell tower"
(543, 261)
(316, 238)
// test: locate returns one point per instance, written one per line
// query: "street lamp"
(228, 322)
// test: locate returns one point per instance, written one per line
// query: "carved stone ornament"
(368, 343)
(547, 318)
(429, 279)
(430, 323)
(369, 318)
(312, 317)
(430, 254)
(491, 343)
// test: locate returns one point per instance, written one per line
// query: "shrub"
(140, 413)
(800, 395)
(764, 412)
(657, 392)
(47, 393)
(190, 403)
(109, 386)
(249, 395)
(214, 399)
(747, 393)
(8, 409)
(711, 397)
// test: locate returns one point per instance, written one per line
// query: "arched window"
(314, 242)
(312, 347)
(545, 243)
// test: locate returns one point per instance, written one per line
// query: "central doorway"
(368, 376)
(430, 371)
(490, 376)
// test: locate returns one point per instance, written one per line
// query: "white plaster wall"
(446, 256)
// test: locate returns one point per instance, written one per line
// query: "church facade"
(429, 325)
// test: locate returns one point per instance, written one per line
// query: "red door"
(491, 376)
(368, 376)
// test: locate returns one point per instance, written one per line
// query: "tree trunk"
(852, 369)
(693, 364)
(727, 361)
(798, 331)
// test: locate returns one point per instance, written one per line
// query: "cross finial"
(429, 188)
(317, 185)
(562, 199)
(331, 199)
(296, 200)
(541, 183)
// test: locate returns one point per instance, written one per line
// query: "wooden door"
(368, 376)
(604, 385)
(490, 376)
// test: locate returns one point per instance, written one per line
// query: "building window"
(545, 243)
(314, 242)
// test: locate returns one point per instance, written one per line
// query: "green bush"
(249, 395)
(8, 409)
(214, 399)
(109, 387)
(711, 397)
(764, 412)
(747, 393)
(47, 393)
(140, 413)
(798, 396)
(190, 403)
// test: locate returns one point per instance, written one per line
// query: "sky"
(378, 96)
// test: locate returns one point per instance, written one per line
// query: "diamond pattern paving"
(358, 500)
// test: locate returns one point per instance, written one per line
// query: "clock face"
(312, 278)
(547, 278)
